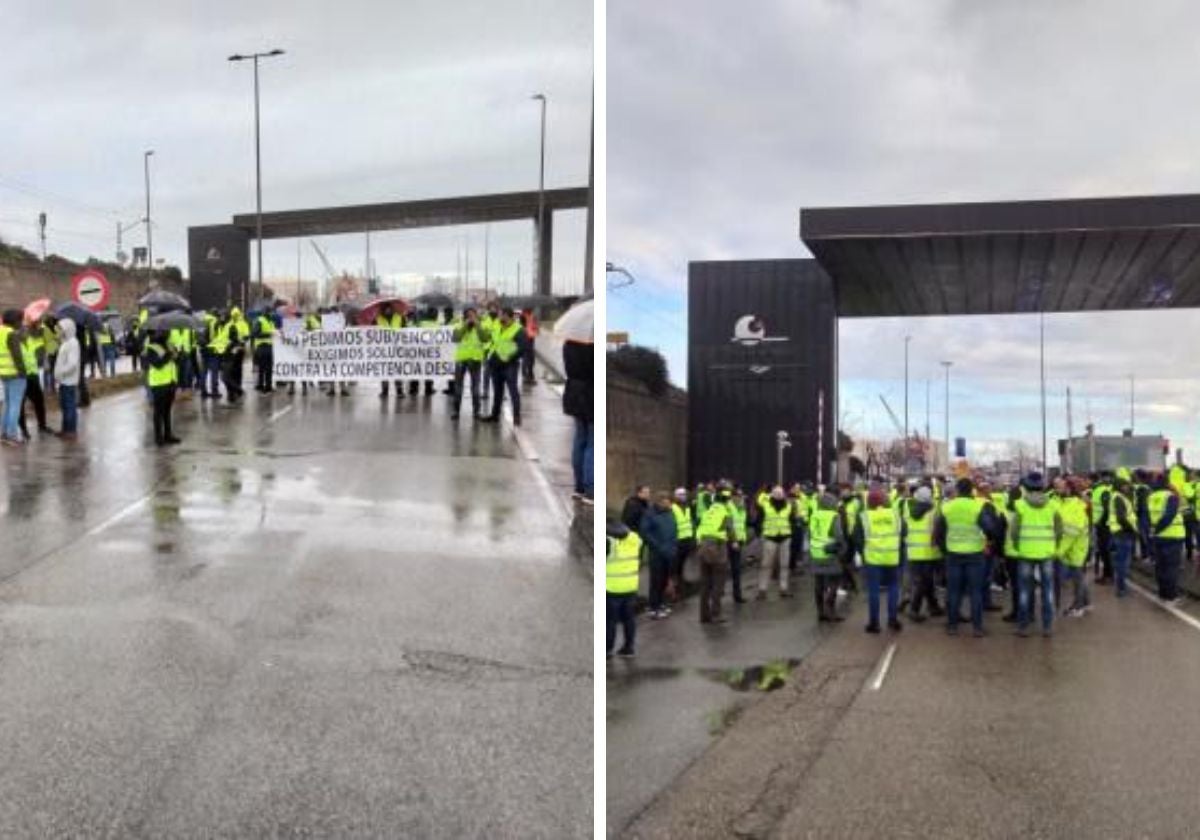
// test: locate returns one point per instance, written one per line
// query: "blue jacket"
(658, 532)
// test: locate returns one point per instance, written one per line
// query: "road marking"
(280, 413)
(556, 505)
(114, 519)
(884, 665)
(1171, 608)
(558, 389)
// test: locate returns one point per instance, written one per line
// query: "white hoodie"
(66, 366)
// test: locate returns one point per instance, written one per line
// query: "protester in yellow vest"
(778, 514)
(161, 378)
(826, 548)
(922, 552)
(1037, 534)
(621, 584)
(12, 373)
(715, 534)
(880, 533)
(968, 521)
(508, 342)
(34, 356)
(264, 352)
(1167, 532)
(1073, 550)
(685, 541)
(469, 344)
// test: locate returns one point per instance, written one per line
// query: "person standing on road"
(1073, 551)
(778, 513)
(849, 509)
(239, 334)
(34, 356)
(1122, 527)
(740, 533)
(108, 350)
(879, 533)
(1037, 534)
(468, 358)
(826, 546)
(67, 368)
(621, 585)
(716, 535)
(508, 342)
(530, 324)
(800, 503)
(967, 522)
(12, 372)
(924, 536)
(659, 534)
(162, 375)
(1167, 532)
(685, 542)
(1101, 501)
(388, 319)
(49, 329)
(264, 353)
(579, 404)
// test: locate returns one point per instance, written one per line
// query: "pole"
(518, 277)
(487, 230)
(927, 415)
(258, 182)
(367, 270)
(946, 365)
(907, 339)
(541, 216)
(1042, 369)
(820, 434)
(1132, 378)
(149, 235)
(1069, 453)
(589, 256)
(42, 232)
(297, 272)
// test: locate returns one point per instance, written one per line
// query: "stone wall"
(25, 281)
(647, 438)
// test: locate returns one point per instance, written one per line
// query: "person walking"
(715, 535)
(826, 544)
(388, 319)
(34, 356)
(967, 522)
(1167, 533)
(1123, 533)
(264, 353)
(658, 534)
(777, 516)
(621, 585)
(880, 534)
(1037, 534)
(508, 342)
(578, 401)
(1073, 550)
(13, 374)
(68, 367)
(162, 375)
(468, 358)
(924, 536)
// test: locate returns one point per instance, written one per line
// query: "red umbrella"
(366, 315)
(35, 310)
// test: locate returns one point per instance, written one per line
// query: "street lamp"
(947, 365)
(781, 443)
(149, 239)
(907, 339)
(257, 156)
(541, 218)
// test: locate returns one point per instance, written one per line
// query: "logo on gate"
(750, 331)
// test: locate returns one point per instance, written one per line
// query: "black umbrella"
(77, 312)
(161, 300)
(439, 299)
(174, 320)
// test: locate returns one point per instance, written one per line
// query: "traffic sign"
(90, 288)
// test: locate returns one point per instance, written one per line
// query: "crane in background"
(330, 274)
(912, 449)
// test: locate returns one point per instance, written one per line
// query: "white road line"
(115, 518)
(1171, 608)
(556, 505)
(884, 665)
(280, 413)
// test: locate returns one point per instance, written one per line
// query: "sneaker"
(761, 596)
(785, 594)
(872, 628)
(978, 633)
(666, 611)
(895, 625)
(1023, 632)
(1047, 632)
(951, 629)
(626, 653)
(1180, 601)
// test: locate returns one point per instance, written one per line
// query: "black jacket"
(578, 396)
(633, 512)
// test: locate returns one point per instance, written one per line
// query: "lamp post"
(149, 238)
(947, 365)
(907, 339)
(541, 218)
(257, 156)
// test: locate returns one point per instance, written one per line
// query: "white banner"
(365, 354)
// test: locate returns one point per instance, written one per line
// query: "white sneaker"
(1180, 601)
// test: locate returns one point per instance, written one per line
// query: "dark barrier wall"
(218, 265)
(762, 346)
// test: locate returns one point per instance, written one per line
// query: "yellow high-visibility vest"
(621, 565)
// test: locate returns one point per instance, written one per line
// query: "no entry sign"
(90, 288)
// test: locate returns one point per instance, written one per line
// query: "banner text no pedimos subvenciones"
(365, 354)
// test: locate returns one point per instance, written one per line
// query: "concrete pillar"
(545, 248)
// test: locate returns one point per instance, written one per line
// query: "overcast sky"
(373, 102)
(725, 118)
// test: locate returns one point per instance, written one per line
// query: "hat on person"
(1034, 481)
(924, 494)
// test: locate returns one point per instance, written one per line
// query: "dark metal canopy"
(464, 210)
(1022, 256)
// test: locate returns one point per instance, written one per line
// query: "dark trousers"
(795, 549)
(660, 573)
(989, 569)
(735, 572)
(67, 396)
(1122, 549)
(878, 577)
(923, 590)
(825, 593)
(210, 381)
(504, 375)
(231, 375)
(1191, 538)
(527, 365)
(163, 397)
(849, 580)
(1010, 571)
(1168, 557)
(466, 370)
(34, 396)
(620, 611)
(683, 550)
(264, 360)
(964, 574)
(714, 565)
(1104, 549)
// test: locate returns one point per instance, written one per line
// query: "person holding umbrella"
(161, 377)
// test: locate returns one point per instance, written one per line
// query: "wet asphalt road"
(316, 617)
(665, 706)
